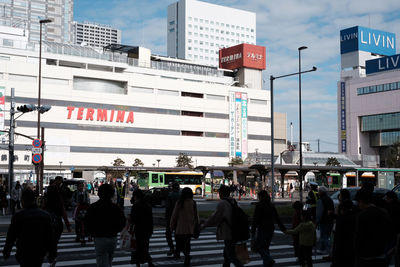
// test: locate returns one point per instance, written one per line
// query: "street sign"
(36, 150)
(37, 143)
(36, 158)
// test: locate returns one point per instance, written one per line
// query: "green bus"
(193, 180)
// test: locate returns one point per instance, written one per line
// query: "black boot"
(187, 261)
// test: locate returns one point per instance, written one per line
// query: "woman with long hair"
(184, 222)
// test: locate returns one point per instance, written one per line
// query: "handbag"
(128, 238)
(196, 231)
(242, 253)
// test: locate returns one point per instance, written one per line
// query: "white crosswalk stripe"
(205, 251)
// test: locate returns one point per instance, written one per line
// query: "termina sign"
(368, 40)
(242, 55)
(382, 64)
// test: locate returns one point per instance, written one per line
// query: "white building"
(368, 95)
(27, 13)
(129, 105)
(95, 35)
(197, 30)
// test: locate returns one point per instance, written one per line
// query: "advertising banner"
(343, 115)
(243, 55)
(232, 106)
(238, 124)
(2, 107)
(244, 126)
(369, 40)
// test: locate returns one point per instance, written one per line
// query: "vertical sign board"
(343, 115)
(2, 108)
(244, 126)
(238, 124)
(232, 151)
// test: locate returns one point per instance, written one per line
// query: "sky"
(282, 27)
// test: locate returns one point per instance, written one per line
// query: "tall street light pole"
(272, 78)
(300, 129)
(39, 167)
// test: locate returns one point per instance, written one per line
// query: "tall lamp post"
(272, 78)
(300, 128)
(39, 168)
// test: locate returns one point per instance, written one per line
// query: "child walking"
(307, 238)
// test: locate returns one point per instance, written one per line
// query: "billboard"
(382, 64)
(2, 107)
(369, 40)
(343, 116)
(238, 125)
(242, 56)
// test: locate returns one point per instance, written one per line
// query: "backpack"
(240, 223)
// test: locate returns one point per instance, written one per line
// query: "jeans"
(263, 241)
(168, 235)
(230, 254)
(183, 244)
(326, 231)
(104, 247)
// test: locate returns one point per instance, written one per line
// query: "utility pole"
(41, 164)
(11, 144)
(318, 144)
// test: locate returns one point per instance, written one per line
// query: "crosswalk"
(205, 251)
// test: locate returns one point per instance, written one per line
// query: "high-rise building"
(197, 30)
(96, 35)
(27, 13)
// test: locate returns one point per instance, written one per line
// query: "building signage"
(369, 40)
(91, 114)
(343, 115)
(2, 107)
(382, 64)
(238, 125)
(242, 56)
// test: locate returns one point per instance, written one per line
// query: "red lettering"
(80, 114)
(102, 115)
(112, 115)
(130, 117)
(120, 116)
(70, 109)
(89, 114)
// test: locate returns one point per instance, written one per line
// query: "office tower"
(197, 30)
(27, 13)
(96, 35)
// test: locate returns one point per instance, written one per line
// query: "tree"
(136, 163)
(332, 161)
(236, 161)
(118, 162)
(184, 160)
(392, 156)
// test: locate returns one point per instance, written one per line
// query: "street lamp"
(60, 165)
(158, 162)
(272, 78)
(300, 128)
(39, 168)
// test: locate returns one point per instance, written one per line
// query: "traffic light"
(44, 108)
(26, 108)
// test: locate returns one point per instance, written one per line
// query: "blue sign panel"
(343, 115)
(382, 64)
(369, 40)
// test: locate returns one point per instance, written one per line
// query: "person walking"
(325, 218)
(312, 199)
(307, 239)
(54, 204)
(222, 219)
(120, 193)
(81, 201)
(32, 231)
(373, 232)
(172, 198)
(3, 199)
(343, 247)
(103, 221)
(142, 222)
(16, 197)
(262, 228)
(184, 220)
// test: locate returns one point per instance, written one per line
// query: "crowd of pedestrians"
(364, 233)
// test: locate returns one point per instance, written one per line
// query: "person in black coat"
(103, 221)
(32, 231)
(262, 228)
(142, 221)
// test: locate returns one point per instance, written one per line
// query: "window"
(189, 94)
(393, 86)
(386, 87)
(8, 42)
(192, 113)
(172, 22)
(168, 92)
(191, 133)
(142, 90)
(154, 178)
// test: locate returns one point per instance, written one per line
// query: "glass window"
(393, 86)
(379, 88)
(201, 20)
(359, 91)
(190, 18)
(154, 178)
(372, 89)
(386, 87)
(168, 92)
